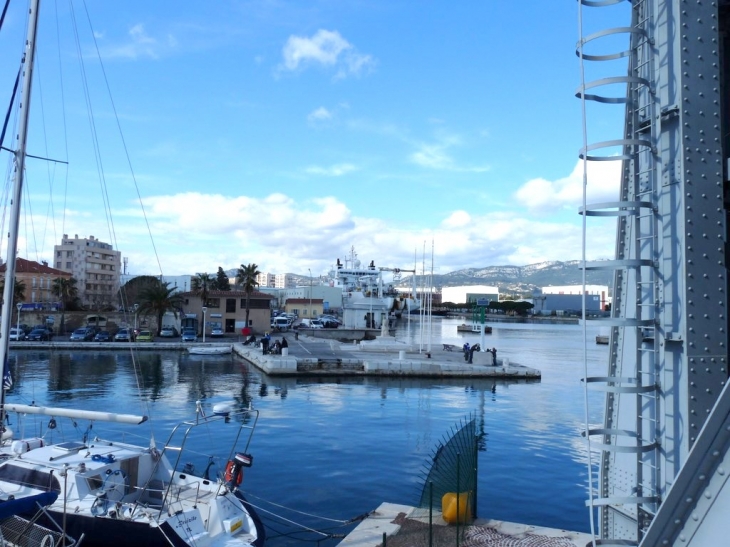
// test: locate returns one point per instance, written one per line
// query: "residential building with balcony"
(95, 265)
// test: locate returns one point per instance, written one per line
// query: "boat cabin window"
(29, 477)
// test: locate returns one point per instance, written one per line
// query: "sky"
(287, 133)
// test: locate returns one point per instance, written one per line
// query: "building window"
(230, 305)
(213, 303)
(68, 265)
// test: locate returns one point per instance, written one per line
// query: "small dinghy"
(210, 350)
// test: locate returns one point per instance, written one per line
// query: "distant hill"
(512, 279)
(524, 279)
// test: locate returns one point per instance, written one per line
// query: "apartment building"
(266, 280)
(95, 265)
(284, 281)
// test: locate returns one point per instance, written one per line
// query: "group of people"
(469, 352)
(275, 349)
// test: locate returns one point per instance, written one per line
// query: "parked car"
(103, 336)
(123, 335)
(16, 334)
(316, 324)
(216, 333)
(82, 334)
(39, 335)
(145, 336)
(329, 321)
(168, 332)
(189, 335)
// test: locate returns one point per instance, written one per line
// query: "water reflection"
(338, 447)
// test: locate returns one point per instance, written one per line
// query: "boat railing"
(177, 440)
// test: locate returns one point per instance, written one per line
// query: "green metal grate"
(453, 466)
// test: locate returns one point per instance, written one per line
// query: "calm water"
(337, 448)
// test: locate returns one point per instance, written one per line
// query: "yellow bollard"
(448, 507)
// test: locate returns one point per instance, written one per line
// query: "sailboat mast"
(7, 310)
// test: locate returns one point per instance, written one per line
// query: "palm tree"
(201, 285)
(246, 278)
(157, 299)
(18, 291)
(65, 289)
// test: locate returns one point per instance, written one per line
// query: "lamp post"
(310, 293)
(204, 310)
(136, 306)
(19, 305)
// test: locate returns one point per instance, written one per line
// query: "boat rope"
(322, 533)
(340, 521)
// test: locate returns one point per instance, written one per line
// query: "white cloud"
(197, 231)
(543, 195)
(320, 114)
(336, 170)
(457, 219)
(328, 49)
(141, 44)
(436, 156)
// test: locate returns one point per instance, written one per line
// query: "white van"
(280, 323)
(311, 324)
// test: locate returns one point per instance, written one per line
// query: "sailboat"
(110, 492)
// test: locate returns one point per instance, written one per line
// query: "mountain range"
(520, 280)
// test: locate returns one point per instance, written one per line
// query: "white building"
(284, 281)
(95, 265)
(266, 280)
(469, 294)
(569, 298)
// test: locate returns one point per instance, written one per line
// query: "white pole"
(204, 310)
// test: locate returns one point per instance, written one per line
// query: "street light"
(135, 317)
(19, 305)
(204, 310)
(310, 292)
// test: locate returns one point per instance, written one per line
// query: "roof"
(304, 300)
(230, 294)
(23, 266)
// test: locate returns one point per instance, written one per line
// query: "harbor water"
(329, 449)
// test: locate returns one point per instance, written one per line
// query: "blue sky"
(286, 132)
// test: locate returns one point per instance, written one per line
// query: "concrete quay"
(406, 526)
(316, 356)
